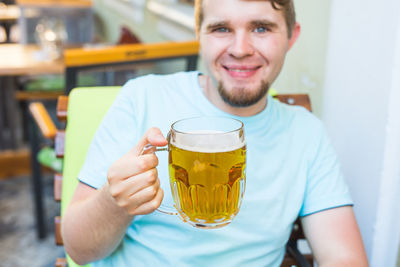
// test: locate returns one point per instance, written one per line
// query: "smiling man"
(243, 54)
(291, 168)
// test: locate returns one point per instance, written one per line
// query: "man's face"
(243, 45)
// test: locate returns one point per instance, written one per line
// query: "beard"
(241, 98)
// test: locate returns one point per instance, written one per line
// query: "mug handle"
(163, 208)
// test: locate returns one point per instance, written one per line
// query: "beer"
(207, 162)
(207, 183)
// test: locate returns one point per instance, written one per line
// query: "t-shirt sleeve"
(326, 187)
(115, 136)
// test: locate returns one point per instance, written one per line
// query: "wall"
(114, 13)
(362, 117)
(141, 17)
(398, 259)
(146, 24)
(304, 69)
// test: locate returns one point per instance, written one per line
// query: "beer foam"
(205, 143)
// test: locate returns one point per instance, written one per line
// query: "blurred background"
(347, 59)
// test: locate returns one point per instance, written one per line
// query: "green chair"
(86, 109)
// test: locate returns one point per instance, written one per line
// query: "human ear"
(295, 34)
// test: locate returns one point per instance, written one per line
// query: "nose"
(241, 45)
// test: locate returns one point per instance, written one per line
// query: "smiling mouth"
(241, 71)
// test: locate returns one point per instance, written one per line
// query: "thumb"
(153, 136)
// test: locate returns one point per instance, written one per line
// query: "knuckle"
(155, 204)
(114, 192)
(111, 175)
(131, 212)
(152, 176)
(142, 164)
(146, 162)
(152, 130)
(154, 159)
(153, 191)
(122, 203)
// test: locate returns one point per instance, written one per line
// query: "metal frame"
(71, 73)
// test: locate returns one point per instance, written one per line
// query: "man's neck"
(214, 97)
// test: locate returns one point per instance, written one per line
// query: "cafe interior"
(50, 47)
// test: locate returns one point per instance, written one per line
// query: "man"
(291, 169)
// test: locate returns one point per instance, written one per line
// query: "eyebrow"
(264, 23)
(217, 24)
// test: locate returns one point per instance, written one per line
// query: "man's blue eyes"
(222, 29)
(257, 29)
(260, 29)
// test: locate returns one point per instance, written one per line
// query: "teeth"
(238, 70)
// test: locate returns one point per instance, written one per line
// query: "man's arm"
(96, 220)
(335, 238)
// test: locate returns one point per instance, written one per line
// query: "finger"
(150, 206)
(141, 181)
(129, 166)
(123, 189)
(145, 195)
(133, 163)
(153, 136)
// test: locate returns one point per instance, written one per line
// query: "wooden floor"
(18, 237)
(19, 245)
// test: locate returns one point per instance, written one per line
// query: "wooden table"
(59, 3)
(19, 60)
(9, 14)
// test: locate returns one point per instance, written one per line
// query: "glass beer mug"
(207, 162)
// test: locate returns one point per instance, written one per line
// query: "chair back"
(86, 109)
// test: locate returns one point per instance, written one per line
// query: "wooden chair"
(81, 59)
(84, 115)
(293, 255)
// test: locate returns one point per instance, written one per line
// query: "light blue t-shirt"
(291, 171)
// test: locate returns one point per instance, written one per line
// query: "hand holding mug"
(133, 179)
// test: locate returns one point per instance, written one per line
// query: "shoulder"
(148, 87)
(305, 128)
(158, 81)
(297, 116)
